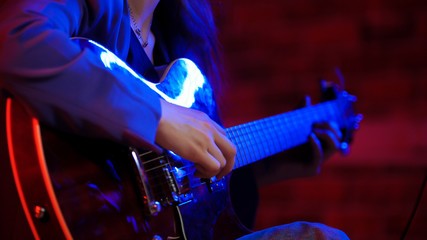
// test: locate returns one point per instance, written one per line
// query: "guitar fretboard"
(269, 136)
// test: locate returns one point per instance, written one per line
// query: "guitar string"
(154, 183)
(260, 132)
(240, 144)
(277, 119)
(269, 129)
(250, 141)
(244, 144)
(231, 135)
(256, 149)
(153, 177)
(281, 142)
(247, 142)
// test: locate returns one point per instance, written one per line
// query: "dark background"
(276, 51)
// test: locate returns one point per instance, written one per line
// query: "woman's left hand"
(325, 140)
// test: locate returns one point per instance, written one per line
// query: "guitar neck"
(266, 137)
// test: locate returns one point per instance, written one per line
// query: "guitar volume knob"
(157, 237)
(40, 213)
(155, 207)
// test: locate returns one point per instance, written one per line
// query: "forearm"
(66, 86)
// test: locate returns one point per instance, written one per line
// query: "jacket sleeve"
(64, 85)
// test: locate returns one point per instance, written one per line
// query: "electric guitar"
(82, 188)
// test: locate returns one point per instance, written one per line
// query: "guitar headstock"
(351, 119)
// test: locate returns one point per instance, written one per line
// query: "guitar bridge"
(212, 184)
(154, 207)
(157, 181)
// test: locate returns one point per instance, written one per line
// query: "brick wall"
(277, 50)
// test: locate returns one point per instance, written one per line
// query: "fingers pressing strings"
(329, 136)
(194, 136)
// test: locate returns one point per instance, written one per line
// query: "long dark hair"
(190, 31)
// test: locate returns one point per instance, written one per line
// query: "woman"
(68, 88)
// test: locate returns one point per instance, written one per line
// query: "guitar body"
(77, 187)
(96, 195)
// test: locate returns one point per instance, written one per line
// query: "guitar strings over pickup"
(160, 183)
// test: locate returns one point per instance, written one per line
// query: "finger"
(330, 126)
(228, 150)
(207, 167)
(304, 102)
(336, 130)
(219, 128)
(215, 152)
(316, 147)
(307, 100)
(206, 164)
(200, 172)
(208, 122)
(227, 169)
(328, 138)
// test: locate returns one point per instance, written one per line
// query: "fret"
(295, 130)
(264, 134)
(233, 137)
(258, 140)
(285, 138)
(269, 135)
(244, 145)
(278, 142)
(230, 135)
(281, 141)
(264, 144)
(272, 137)
(249, 145)
(236, 136)
(255, 140)
(239, 146)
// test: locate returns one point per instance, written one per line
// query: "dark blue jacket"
(69, 87)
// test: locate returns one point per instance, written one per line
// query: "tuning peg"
(359, 118)
(356, 126)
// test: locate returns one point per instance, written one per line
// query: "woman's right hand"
(192, 135)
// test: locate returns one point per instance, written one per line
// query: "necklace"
(137, 29)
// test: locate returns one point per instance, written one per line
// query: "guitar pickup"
(185, 198)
